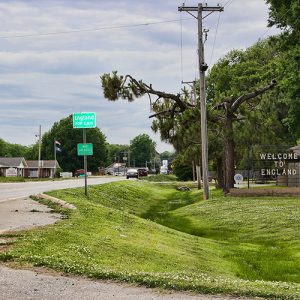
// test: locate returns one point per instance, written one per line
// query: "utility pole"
(39, 135)
(202, 68)
(54, 148)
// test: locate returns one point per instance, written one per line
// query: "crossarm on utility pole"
(204, 8)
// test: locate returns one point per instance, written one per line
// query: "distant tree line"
(17, 150)
(141, 150)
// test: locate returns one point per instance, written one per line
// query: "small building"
(12, 166)
(47, 168)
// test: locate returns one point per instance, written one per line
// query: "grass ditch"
(157, 236)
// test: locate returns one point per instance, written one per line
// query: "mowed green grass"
(155, 235)
(262, 233)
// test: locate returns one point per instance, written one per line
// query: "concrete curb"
(60, 202)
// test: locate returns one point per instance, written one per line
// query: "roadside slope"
(104, 239)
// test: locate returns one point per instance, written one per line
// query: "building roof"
(12, 161)
(46, 164)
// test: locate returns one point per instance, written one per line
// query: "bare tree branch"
(237, 103)
(163, 112)
(149, 90)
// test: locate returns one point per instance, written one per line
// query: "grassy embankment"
(152, 234)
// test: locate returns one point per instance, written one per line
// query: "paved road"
(11, 191)
(18, 211)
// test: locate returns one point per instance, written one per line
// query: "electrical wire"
(215, 38)
(227, 3)
(281, 17)
(91, 30)
(181, 48)
(216, 32)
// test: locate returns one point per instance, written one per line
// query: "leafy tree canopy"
(285, 14)
(237, 105)
(142, 150)
(116, 152)
(181, 169)
(167, 155)
(13, 150)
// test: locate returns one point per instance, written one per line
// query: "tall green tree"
(12, 150)
(32, 152)
(285, 14)
(116, 153)
(176, 114)
(182, 169)
(142, 150)
(69, 137)
(2, 147)
(168, 155)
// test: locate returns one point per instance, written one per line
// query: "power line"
(181, 46)
(216, 32)
(214, 43)
(91, 30)
(281, 17)
(227, 3)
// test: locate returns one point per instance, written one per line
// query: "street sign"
(84, 120)
(238, 178)
(84, 149)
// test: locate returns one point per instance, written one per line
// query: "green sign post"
(84, 120)
(84, 149)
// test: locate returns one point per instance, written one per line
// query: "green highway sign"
(84, 120)
(84, 149)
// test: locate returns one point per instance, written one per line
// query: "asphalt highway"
(12, 191)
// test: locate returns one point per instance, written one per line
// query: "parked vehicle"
(119, 173)
(79, 173)
(142, 171)
(132, 173)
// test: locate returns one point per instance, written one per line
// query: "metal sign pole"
(84, 120)
(85, 164)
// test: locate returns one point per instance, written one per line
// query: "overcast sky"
(45, 77)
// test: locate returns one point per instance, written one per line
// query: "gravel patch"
(37, 286)
(24, 213)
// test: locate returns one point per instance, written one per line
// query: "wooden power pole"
(202, 68)
(39, 135)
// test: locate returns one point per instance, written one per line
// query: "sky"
(53, 53)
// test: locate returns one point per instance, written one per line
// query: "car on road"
(142, 171)
(119, 173)
(132, 173)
